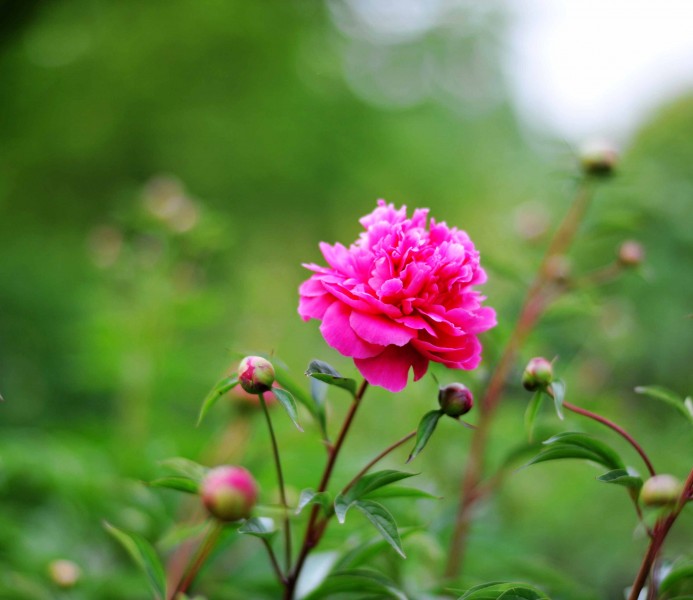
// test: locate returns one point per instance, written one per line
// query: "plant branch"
(622, 432)
(661, 530)
(377, 459)
(198, 560)
(273, 560)
(315, 530)
(534, 305)
(282, 488)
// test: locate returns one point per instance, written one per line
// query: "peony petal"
(390, 369)
(338, 333)
(314, 307)
(380, 330)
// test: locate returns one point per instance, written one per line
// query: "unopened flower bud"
(598, 158)
(64, 573)
(255, 374)
(661, 490)
(455, 400)
(538, 374)
(631, 253)
(229, 493)
(558, 268)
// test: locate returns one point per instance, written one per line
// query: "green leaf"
(383, 521)
(310, 496)
(182, 484)
(368, 550)
(144, 556)
(217, 392)
(362, 582)
(186, 468)
(318, 391)
(504, 591)
(684, 406)
(396, 491)
(608, 456)
(287, 401)
(260, 527)
(558, 389)
(364, 487)
(531, 413)
(623, 477)
(342, 504)
(324, 372)
(427, 426)
(287, 383)
(679, 574)
(373, 481)
(578, 445)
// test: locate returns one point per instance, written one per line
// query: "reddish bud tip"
(631, 253)
(598, 158)
(661, 490)
(255, 374)
(229, 493)
(538, 374)
(455, 400)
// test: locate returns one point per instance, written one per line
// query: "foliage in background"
(248, 105)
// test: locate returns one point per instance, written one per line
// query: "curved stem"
(377, 459)
(534, 305)
(314, 530)
(203, 552)
(661, 530)
(611, 425)
(282, 488)
(273, 560)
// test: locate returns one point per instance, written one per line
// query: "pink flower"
(400, 296)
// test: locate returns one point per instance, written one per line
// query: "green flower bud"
(455, 400)
(598, 159)
(229, 493)
(256, 374)
(661, 490)
(538, 374)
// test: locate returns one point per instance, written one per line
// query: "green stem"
(282, 488)
(273, 560)
(315, 530)
(534, 305)
(198, 560)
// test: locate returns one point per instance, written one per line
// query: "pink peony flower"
(400, 296)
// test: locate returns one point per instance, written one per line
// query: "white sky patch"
(584, 68)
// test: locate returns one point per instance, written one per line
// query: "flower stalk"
(660, 532)
(537, 299)
(199, 559)
(282, 488)
(316, 527)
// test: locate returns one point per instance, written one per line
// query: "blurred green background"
(166, 167)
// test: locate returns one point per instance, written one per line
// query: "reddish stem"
(622, 432)
(661, 530)
(314, 530)
(198, 560)
(535, 302)
(377, 459)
